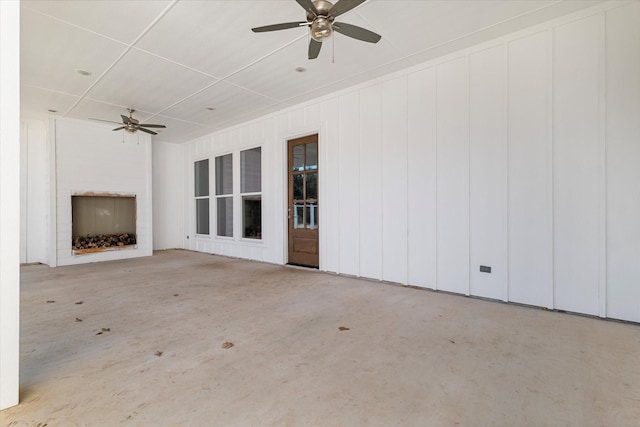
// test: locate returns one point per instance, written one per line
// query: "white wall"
(168, 187)
(90, 157)
(622, 139)
(35, 191)
(529, 177)
(9, 202)
(521, 154)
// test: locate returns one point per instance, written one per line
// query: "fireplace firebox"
(102, 222)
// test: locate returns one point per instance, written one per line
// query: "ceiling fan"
(321, 15)
(132, 125)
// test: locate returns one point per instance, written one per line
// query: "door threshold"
(302, 266)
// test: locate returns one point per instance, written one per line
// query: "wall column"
(9, 201)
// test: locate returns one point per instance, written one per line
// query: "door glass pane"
(225, 216)
(312, 216)
(250, 170)
(312, 156)
(202, 216)
(201, 170)
(298, 181)
(312, 185)
(298, 157)
(298, 215)
(224, 175)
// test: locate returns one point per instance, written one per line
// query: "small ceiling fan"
(132, 125)
(321, 15)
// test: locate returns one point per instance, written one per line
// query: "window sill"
(253, 241)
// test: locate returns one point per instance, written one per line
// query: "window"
(224, 195)
(201, 179)
(250, 189)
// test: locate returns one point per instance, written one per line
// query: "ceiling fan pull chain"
(123, 136)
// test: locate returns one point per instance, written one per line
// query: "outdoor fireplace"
(103, 222)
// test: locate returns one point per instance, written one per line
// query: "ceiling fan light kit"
(321, 15)
(321, 29)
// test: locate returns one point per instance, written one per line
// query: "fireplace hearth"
(86, 244)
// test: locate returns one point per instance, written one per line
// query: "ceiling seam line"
(375, 29)
(49, 90)
(177, 63)
(252, 91)
(185, 98)
(223, 79)
(128, 48)
(263, 57)
(114, 105)
(71, 24)
(247, 116)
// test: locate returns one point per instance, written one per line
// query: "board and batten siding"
(522, 154)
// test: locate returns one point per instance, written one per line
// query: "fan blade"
(134, 121)
(151, 126)
(125, 119)
(107, 121)
(308, 6)
(314, 48)
(356, 32)
(276, 27)
(120, 128)
(344, 6)
(147, 131)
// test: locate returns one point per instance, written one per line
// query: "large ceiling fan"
(131, 125)
(321, 16)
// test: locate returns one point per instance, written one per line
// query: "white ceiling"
(171, 59)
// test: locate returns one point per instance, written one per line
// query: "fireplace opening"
(102, 222)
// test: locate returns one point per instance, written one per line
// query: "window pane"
(312, 185)
(312, 216)
(250, 171)
(298, 181)
(224, 175)
(202, 216)
(298, 215)
(201, 170)
(298, 157)
(252, 217)
(225, 216)
(312, 156)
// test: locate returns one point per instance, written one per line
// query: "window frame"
(230, 196)
(196, 198)
(243, 195)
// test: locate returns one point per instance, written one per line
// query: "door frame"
(285, 137)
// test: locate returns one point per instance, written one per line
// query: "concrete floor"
(409, 358)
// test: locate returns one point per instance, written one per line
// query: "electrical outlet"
(485, 269)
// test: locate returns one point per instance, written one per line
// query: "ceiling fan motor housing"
(321, 28)
(323, 7)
